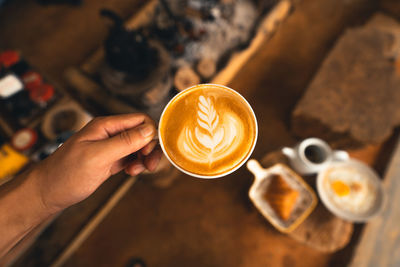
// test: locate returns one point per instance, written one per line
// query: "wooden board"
(87, 89)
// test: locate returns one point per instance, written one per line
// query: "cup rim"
(347, 215)
(208, 176)
(317, 142)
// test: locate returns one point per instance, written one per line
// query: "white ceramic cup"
(208, 176)
(364, 170)
(302, 164)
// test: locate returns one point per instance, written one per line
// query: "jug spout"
(289, 152)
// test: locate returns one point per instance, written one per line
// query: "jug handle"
(256, 169)
(340, 155)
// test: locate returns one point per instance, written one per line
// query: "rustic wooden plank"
(266, 29)
(88, 90)
(95, 221)
(357, 86)
(380, 242)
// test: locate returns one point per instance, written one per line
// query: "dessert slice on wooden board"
(281, 197)
(354, 97)
(322, 230)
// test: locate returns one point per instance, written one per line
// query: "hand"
(102, 148)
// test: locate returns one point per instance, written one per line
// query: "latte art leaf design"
(215, 135)
(208, 120)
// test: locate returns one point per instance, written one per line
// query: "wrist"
(21, 209)
(30, 192)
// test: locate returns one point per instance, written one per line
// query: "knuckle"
(126, 138)
(96, 121)
(145, 117)
(107, 123)
(141, 114)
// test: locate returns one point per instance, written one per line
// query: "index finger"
(102, 128)
(126, 142)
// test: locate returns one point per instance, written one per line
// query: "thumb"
(127, 142)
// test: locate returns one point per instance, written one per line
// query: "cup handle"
(256, 169)
(340, 155)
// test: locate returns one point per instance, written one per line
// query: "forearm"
(73, 172)
(21, 209)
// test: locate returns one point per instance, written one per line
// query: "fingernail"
(146, 130)
(138, 169)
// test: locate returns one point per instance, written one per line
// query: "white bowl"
(344, 214)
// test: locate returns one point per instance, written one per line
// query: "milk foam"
(214, 137)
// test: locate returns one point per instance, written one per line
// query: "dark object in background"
(2, 139)
(23, 96)
(135, 262)
(50, 147)
(19, 105)
(60, 2)
(136, 69)
(180, 29)
(128, 51)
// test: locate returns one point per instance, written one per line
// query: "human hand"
(102, 148)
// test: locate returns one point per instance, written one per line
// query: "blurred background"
(309, 68)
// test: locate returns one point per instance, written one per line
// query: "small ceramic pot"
(313, 155)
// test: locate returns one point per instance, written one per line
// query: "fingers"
(121, 164)
(141, 163)
(105, 127)
(149, 148)
(135, 167)
(151, 161)
(127, 142)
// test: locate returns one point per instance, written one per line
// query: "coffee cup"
(208, 131)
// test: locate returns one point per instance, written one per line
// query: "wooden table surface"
(194, 222)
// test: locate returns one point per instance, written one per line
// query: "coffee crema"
(208, 130)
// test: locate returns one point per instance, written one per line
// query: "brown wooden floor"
(194, 222)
